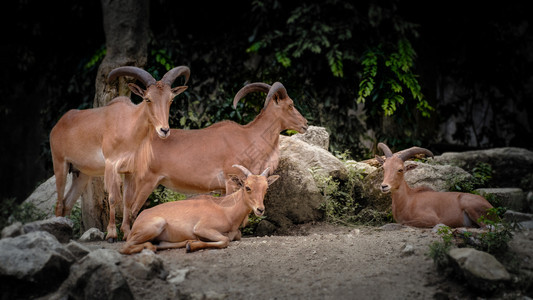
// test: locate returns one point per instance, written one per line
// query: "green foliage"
(340, 206)
(343, 201)
(310, 35)
(163, 195)
(75, 217)
(335, 205)
(362, 51)
(163, 58)
(494, 240)
(481, 175)
(344, 156)
(253, 221)
(500, 232)
(12, 212)
(97, 57)
(386, 74)
(438, 251)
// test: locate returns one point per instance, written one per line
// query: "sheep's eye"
(147, 100)
(291, 106)
(248, 189)
(400, 171)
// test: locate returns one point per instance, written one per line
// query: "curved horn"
(385, 149)
(276, 88)
(243, 169)
(171, 75)
(409, 153)
(265, 172)
(252, 87)
(135, 72)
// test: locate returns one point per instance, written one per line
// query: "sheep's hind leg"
(60, 172)
(467, 221)
(79, 183)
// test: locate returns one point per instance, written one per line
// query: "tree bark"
(126, 28)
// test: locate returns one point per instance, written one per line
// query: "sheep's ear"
(237, 180)
(272, 179)
(410, 167)
(179, 89)
(380, 160)
(136, 89)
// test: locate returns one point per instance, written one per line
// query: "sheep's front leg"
(136, 192)
(217, 239)
(142, 234)
(235, 235)
(171, 245)
(112, 183)
(129, 190)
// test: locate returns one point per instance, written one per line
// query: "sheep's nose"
(165, 130)
(385, 188)
(260, 211)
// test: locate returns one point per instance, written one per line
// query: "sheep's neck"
(400, 199)
(235, 208)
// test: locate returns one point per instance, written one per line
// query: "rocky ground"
(320, 261)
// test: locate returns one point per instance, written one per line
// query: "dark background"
(473, 63)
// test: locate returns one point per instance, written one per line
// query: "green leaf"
(283, 59)
(255, 47)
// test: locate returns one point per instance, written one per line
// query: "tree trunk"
(127, 31)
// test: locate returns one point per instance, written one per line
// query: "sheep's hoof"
(111, 240)
(188, 248)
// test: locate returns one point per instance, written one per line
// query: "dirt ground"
(318, 261)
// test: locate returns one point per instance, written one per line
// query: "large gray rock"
(60, 227)
(529, 200)
(37, 265)
(515, 216)
(78, 250)
(480, 269)
(512, 198)
(438, 177)
(525, 221)
(44, 197)
(32, 264)
(12, 230)
(106, 274)
(92, 234)
(513, 167)
(96, 276)
(295, 198)
(144, 265)
(311, 157)
(316, 136)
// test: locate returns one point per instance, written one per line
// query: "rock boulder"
(512, 167)
(480, 269)
(295, 198)
(32, 264)
(316, 136)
